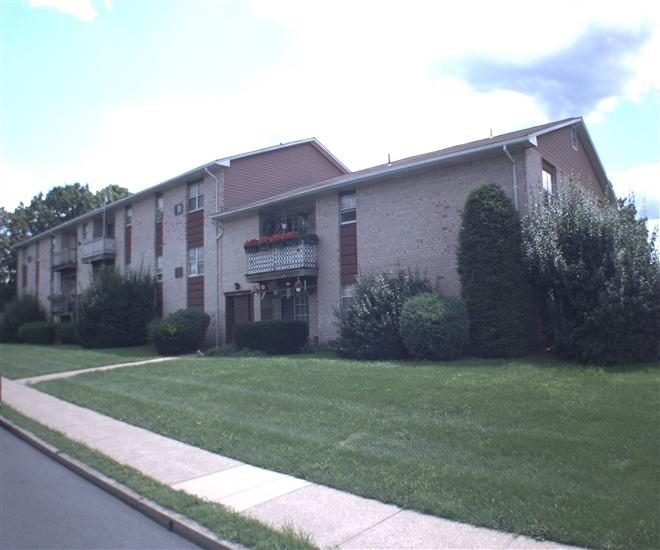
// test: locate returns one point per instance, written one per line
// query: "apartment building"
(282, 233)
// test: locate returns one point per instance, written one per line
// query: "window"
(195, 262)
(84, 231)
(110, 226)
(347, 291)
(548, 178)
(574, 138)
(347, 203)
(195, 196)
(128, 215)
(159, 268)
(160, 205)
(295, 307)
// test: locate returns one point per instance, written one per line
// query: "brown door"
(239, 310)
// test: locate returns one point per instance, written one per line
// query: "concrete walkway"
(332, 518)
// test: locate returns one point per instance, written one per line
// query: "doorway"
(239, 310)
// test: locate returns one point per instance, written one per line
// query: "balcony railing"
(99, 249)
(64, 259)
(61, 304)
(300, 259)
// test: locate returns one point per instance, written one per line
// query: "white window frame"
(195, 196)
(347, 208)
(159, 268)
(195, 262)
(347, 294)
(160, 206)
(548, 178)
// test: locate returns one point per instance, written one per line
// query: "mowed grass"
(538, 447)
(24, 360)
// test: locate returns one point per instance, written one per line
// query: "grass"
(225, 524)
(25, 360)
(536, 447)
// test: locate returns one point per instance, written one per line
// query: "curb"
(173, 521)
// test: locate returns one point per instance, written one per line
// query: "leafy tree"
(59, 205)
(116, 309)
(369, 329)
(598, 272)
(493, 275)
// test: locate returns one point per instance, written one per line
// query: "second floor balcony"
(98, 249)
(64, 259)
(295, 256)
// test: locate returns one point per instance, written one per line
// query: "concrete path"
(332, 518)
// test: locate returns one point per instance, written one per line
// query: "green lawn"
(538, 447)
(25, 360)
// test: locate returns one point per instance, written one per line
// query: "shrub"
(18, 312)
(597, 270)
(369, 329)
(67, 333)
(181, 332)
(493, 275)
(115, 310)
(272, 337)
(37, 332)
(434, 327)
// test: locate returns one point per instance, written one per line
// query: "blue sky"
(134, 93)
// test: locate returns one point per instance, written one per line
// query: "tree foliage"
(369, 329)
(598, 272)
(493, 276)
(59, 205)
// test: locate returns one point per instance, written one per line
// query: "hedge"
(272, 337)
(182, 332)
(37, 332)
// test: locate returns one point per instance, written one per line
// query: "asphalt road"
(45, 505)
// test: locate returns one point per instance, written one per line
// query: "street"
(45, 505)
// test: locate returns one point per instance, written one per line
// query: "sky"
(136, 92)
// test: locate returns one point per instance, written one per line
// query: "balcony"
(283, 260)
(64, 259)
(98, 249)
(62, 304)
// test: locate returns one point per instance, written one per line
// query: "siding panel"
(256, 177)
(196, 292)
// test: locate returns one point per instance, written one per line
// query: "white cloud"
(641, 184)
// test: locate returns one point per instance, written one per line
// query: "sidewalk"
(332, 518)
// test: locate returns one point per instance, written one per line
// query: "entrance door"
(239, 310)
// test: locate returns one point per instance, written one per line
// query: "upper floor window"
(347, 207)
(84, 231)
(195, 196)
(159, 268)
(195, 262)
(549, 178)
(160, 206)
(574, 138)
(129, 215)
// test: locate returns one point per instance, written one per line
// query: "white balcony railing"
(63, 259)
(300, 256)
(98, 249)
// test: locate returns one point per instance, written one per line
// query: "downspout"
(218, 234)
(515, 177)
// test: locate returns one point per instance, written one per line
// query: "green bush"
(272, 337)
(369, 329)
(182, 332)
(115, 310)
(493, 274)
(18, 312)
(597, 271)
(67, 333)
(434, 327)
(37, 332)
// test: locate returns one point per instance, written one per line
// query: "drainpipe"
(218, 234)
(515, 177)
